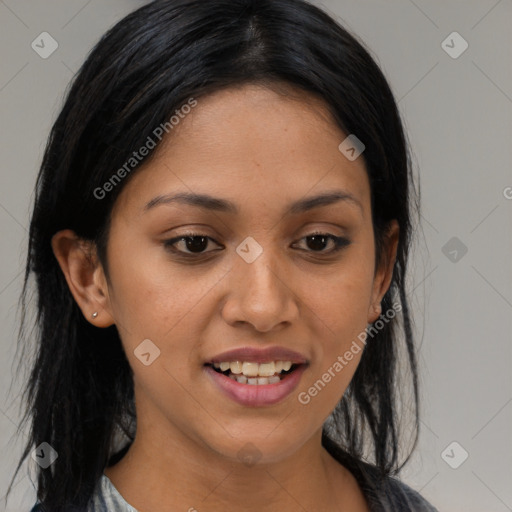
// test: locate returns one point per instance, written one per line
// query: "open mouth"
(255, 374)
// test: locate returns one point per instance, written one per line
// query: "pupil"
(316, 239)
(195, 245)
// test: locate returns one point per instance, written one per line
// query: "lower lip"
(257, 395)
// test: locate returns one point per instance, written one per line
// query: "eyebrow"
(207, 202)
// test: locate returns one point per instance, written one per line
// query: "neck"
(165, 470)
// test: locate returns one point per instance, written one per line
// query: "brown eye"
(317, 242)
(191, 243)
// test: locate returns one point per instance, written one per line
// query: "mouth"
(255, 374)
(254, 384)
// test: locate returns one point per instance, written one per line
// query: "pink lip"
(257, 395)
(259, 355)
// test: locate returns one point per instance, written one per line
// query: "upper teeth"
(254, 369)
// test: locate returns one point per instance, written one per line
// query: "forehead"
(250, 142)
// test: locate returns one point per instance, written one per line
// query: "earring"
(95, 314)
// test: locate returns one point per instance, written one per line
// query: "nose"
(261, 294)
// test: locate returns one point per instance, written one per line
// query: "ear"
(384, 273)
(85, 276)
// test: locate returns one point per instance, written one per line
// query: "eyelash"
(339, 243)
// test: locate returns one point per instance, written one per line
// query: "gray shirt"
(390, 496)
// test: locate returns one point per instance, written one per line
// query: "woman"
(220, 239)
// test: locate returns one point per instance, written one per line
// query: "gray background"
(458, 115)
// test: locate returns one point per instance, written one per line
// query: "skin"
(262, 150)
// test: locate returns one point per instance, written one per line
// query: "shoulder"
(410, 498)
(383, 493)
(105, 498)
(38, 507)
(390, 493)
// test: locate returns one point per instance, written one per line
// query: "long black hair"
(80, 397)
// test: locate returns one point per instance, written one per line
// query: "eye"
(317, 241)
(194, 243)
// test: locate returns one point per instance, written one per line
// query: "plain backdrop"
(456, 104)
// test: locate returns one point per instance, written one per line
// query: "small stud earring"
(95, 314)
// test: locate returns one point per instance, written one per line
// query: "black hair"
(80, 392)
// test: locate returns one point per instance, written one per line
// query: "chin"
(257, 449)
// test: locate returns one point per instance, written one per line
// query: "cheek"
(340, 301)
(157, 302)
(339, 347)
(150, 293)
(340, 306)
(167, 303)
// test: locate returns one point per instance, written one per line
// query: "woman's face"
(258, 282)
